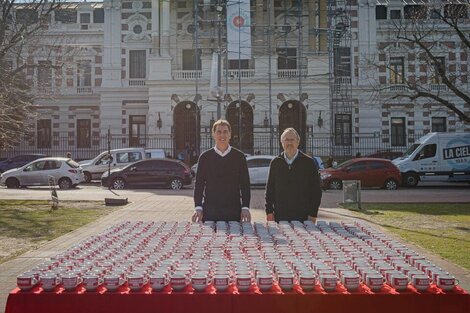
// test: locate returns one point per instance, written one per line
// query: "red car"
(371, 172)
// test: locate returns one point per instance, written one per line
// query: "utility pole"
(219, 9)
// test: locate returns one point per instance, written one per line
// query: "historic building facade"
(141, 71)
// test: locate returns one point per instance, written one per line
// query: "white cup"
(399, 281)
(243, 282)
(221, 282)
(264, 281)
(179, 281)
(446, 282)
(49, 281)
(350, 280)
(328, 282)
(421, 282)
(158, 281)
(307, 281)
(26, 281)
(200, 282)
(91, 282)
(113, 281)
(136, 281)
(374, 281)
(71, 281)
(285, 280)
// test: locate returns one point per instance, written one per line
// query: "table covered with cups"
(238, 267)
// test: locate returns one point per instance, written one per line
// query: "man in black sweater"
(222, 187)
(293, 191)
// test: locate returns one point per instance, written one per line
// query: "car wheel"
(119, 183)
(391, 184)
(65, 183)
(12, 183)
(336, 184)
(176, 183)
(411, 179)
(87, 177)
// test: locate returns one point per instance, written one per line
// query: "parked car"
(258, 168)
(389, 155)
(19, 161)
(371, 172)
(93, 169)
(66, 172)
(150, 172)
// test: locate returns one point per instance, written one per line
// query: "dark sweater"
(293, 192)
(222, 185)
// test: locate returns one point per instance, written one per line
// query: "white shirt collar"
(222, 154)
(290, 161)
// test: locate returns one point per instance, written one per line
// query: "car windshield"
(411, 150)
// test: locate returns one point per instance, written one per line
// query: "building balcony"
(235, 74)
(397, 88)
(291, 73)
(438, 87)
(136, 82)
(186, 75)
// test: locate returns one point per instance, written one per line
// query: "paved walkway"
(169, 207)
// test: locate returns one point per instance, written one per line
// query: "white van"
(436, 157)
(93, 169)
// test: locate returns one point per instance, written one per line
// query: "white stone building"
(141, 70)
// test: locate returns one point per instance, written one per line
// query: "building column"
(165, 29)
(156, 27)
(112, 44)
(323, 17)
(312, 25)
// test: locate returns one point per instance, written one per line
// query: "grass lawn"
(443, 229)
(24, 225)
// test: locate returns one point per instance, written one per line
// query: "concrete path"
(161, 205)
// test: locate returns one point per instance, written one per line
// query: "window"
(191, 59)
(257, 163)
(238, 64)
(85, 18)
(342, 62)
(44, 77)
(439, 124)
(428, 151)
(44, 133)
(415, 12)
(137, 64)
(397, 70)
(98, 15)
(357, 167)
(435, 14)
(84, 73)
(38, 166)
(287, 58)
(439, 70)
(27, 16)
(395, 14)
(66, 16)
(137, 130)
(83, 133)
(455, 11)
(381, 12)
(398, 131)
(343, 129)
(377, 165)
(128, 157)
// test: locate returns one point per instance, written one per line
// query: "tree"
(432, 33)
(22, 26)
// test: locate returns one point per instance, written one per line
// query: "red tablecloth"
(255, 301)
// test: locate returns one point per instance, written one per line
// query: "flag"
(238, 30)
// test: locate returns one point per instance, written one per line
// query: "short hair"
(221, 122)
(290, 130)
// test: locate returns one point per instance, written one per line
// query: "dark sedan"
(149, 173)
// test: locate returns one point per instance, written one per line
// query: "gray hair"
(290, 130)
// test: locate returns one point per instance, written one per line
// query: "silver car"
(66, 173)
